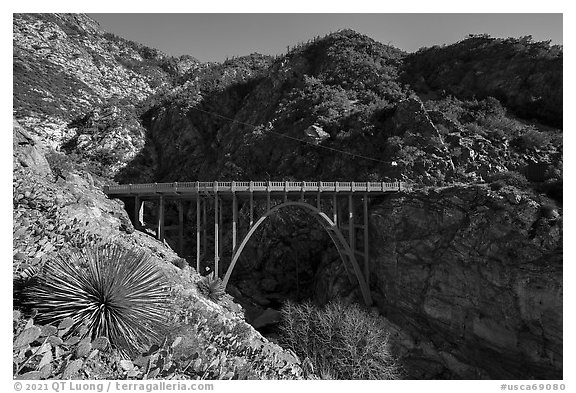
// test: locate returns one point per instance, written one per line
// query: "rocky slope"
(52, 214)
(170, 118)
(66, 66)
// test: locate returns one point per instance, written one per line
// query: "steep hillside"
(57, 214)
(299, 92)
(524, 75)
(345, 92)
(65, 66)
(341, 92)
(168, 119)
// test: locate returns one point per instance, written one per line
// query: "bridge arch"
(346, 254)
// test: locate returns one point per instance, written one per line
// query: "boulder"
(28, 152)
(316, 133)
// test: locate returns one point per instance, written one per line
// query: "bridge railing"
(254, 186)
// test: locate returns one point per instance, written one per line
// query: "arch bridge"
(333, 204)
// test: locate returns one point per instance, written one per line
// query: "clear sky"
(213, 37)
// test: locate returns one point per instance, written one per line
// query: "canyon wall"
(476, 274)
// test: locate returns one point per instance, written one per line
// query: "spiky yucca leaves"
(212, 287)
(115, 292)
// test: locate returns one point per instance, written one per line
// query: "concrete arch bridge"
(333, 204)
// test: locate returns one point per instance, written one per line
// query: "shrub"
(60, 164)
(116, 293)
(341, 341)
(532, 139)
(508, 178)
(549, 210)
(212, 287)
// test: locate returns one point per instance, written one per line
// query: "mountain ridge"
(351, 83)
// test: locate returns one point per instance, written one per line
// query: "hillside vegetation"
(347, 92)
(524, 75)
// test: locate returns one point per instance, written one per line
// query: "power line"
(293, 138)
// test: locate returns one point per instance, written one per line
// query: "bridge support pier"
(205, 229)
(138, 213)
(366, 242)
(160, 224)
(140, 220)
(198, 227)
(181, 227)
(220, 226)
(234, 221)
(216, 235)
(251, 208)
(335, 209)
(351, 227)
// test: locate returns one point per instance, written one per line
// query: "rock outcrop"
(475, 277)
(27, 152)
(109, 137)
(65, 65)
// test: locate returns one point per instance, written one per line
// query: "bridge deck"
(254, 187)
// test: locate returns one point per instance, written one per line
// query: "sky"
(214, 37)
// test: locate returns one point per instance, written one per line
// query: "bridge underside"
(335, 206)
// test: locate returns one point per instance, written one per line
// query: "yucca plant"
(212, 287)
(115, 292)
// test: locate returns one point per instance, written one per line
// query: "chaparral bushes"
(341, 341)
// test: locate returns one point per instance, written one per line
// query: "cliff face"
(478, 275)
